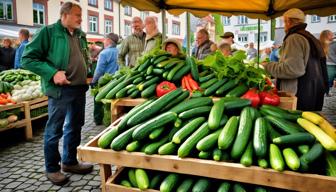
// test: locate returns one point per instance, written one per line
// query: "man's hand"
(60, 78)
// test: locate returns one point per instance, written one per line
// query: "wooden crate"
(207, 168)
(287, 100)
(34, 104)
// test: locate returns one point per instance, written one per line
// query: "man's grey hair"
(67, 6)
(152, 19)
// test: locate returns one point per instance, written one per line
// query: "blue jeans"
(66, 118)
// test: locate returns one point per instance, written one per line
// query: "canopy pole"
(164, 30)
(188, 33)
(258, 54)
(119, 18)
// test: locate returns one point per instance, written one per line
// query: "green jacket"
(48, 52)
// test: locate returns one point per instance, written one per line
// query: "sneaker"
(57, 178)
(80, 168)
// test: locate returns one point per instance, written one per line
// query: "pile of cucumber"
(169, 182)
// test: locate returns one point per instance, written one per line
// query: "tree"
(219, 28)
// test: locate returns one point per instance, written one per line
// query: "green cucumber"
(106, 89)
(291, 159)
(237, 91)
(129, 91)
(176, 101)
(209, 142)
(194, 68)
(154, 147)
(237, 187)
(226, 87)
(141, 179)
(284, 125)
(272, 133)
(178, 122)
(138, 80)
(314, 153)
(260, 189)
(174, 71)
(131, 177)
(170, 182)
(188, 145)
(217, 154)
(209, 83)
(186, 185)
(278, 112)
(120, 142)
(111, 94)
(243, 134)
(145, 65)
(125, 183)
(168, 149)
(187, 130)
(276, 160)
(233, 103)
(204, 154)
(191, 103)
(148, 83)
(228, 133)
(296, 138)
(135, 94)
(196, 112)
(157, 71)
(149, 91)
(146, 128)
(224, 187)
(122, 93)
(156, 181)
(263, 163)
(216, 114)
(156, 133)
(204, 73)
(195, 94)
(105, 140)
(303, 149)
(158, 59)
(172, 65)
(206, 78)
(168, 62)
(165, 74)
(213, 88)
(133, 146)
(247, 157)
(201, 185)
(149, 70)
(260, 142)
(180, 73)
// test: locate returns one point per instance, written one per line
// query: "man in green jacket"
(58, 53)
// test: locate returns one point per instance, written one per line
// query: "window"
(108, 26)
(144, 14)
(263, 37)
(128, 28)
(332, 19)
(242, 20)
(243, 38)
(176, 28)
(128, 10)
(93, 24)
(38, 14)
(315, 19)
(93, 2)
(6, 9)
(226, 20)
(108, 5)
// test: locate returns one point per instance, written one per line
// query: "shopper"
(329, 47)
(228, 37)
(225, 48)
(203, 42)
(274, 56)
(266, 54)
(301, 69)
(153, 36)
(173, 46)
(7, 55)
(133, 45)
(60, 59)
(251, 52)
(23, 38)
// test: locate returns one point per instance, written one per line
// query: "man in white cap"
(301, 69)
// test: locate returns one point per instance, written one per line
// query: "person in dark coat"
(7, 55)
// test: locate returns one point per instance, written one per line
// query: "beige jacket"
(152, 42)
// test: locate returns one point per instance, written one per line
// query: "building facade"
(99, 17)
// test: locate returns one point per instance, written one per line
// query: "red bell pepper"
(164, 88)
(269, 98)
(253, 96)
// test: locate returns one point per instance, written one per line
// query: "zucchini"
(276, 160)
(168, 149)
(296, 138)
(148, 83)
(243, 134)
(313, 117)
(106, 89)
(204, 154)
(156, 133)
(125, 183)
(208, 142)
(180, 73)
(216, 114)
(120, 142)
(303, 149)
(206, 78)
(217, 154)
(213, 88)
(263, 163)
(228, 133)
(209, 83)
(314, 153)
(195, 112)
(187, 129)
(291, 159)
(176, 101)
(284, 125)
(105, 140)
(143, 130)
(247, 157)
(224, 187)
(155, 181)
(260, 143)
(188, 145)
(154, 147)
(191, 103)
(201, 185)
(226, 87)
(170, 182)
(133, 146)
(237, 187)
(186, 185)
(174, 71)
(237, 91)
(131, 177)
(141, 179)
(149, 91)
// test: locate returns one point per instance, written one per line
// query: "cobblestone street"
(22, 163)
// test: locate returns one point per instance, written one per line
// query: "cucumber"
(225, 156)
(153, 108)
(279, 113)
(228, 133)
(141, 179)
(198, 111)
(176, 101)
(204, 73)
(201, 185)
(106, 89)
(237, 91)
(255, 113)
(224, 187)
(247, 157)
(283, 125)
(178, 123)
(260, 143)
(216, 114)
(129, 91)
(138, 80)
(148, 83)
(291, 159)
(168, 149)
(209, 83)
(111, 94)
(168, 62)
(223, 121)
(155, 181)
(133, 146)
(154, 147)
(156, 133)
(217, 154)
(157, 71)
(125, 183)
(260, 189)
(204, 154)
(135, 94)
(276, 160)
(158, 59)
(296, 138)
(131, 177)
(149, 91)
(120, 142)
(172, 65)
(186, 185)
(243, 134)
(233, 103)
(188, 145)
(191, 103)
(180, 73)
(237, 187)
(272, 133)
(209, 142)
(149, 70)
(145, 65)
(170, 182)
(226, 87)
(196, 94)
(213, 88)
(122, 93)
(263, 163)
(105, 140)
(165, 74)
(314, 153)
(194, 68)
(206, 78)
(303, 149)
(146, 128)
(174, 71)
(187, 129)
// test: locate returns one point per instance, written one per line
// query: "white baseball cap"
(295, 14)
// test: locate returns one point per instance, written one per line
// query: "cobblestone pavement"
(22, 163)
